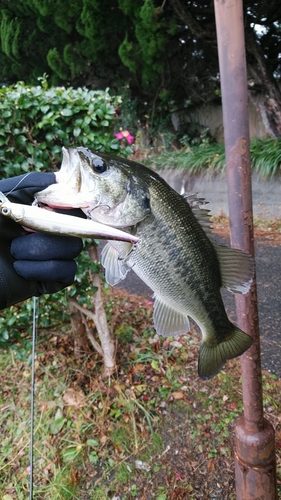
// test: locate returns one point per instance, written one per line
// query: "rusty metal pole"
(255, 462)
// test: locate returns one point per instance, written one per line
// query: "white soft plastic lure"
(52, 222)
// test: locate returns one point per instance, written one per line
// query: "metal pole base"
(255, 463)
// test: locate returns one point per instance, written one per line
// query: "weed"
(209, 157)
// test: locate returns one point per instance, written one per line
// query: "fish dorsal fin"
(237, 269)
(167, 321)
(202, 214)
(113, 260)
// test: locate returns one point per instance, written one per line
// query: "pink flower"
(125, 134)
(119, 136)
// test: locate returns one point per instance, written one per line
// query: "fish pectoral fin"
(112, 259)
(213, 357)
(167, 320)
(237, 269)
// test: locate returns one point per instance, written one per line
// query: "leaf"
(20, 140)
(58, 422)
(45, 108)
(155, 365)
(177, 395)
(93, 457)
(92, 442)
(100, 113)
(103, 440)
(75, 398)
(66, 112)
(57, 425)
(76, 131)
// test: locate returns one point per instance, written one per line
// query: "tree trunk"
(264, 91)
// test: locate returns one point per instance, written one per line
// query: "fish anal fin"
(213, 357)
(112, 259)
(237, 269)
(167, 320)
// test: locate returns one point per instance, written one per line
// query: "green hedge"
(37, 121)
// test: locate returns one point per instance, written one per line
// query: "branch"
(73, 304)
(189, 20)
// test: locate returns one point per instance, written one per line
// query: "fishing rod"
(32, 397)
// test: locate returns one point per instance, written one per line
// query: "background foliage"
(164, 52)
(37, 121)
(202, 156)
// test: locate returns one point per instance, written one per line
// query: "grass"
(154, 431)
(209, 157)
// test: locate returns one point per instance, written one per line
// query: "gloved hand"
(32, 263)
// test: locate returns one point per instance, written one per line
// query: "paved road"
(268, 266)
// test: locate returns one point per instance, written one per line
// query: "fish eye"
(98, 165)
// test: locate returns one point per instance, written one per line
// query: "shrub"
(37, 121)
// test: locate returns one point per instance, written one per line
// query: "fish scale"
(175, 256)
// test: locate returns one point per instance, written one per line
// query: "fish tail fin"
(213, 357)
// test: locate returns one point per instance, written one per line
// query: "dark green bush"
(37, 121)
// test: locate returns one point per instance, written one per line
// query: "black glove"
(33, 263)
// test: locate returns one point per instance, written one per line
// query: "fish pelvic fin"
(237, 269)
(167, 321)
(213, 357)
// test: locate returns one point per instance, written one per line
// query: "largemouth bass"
(175, 256)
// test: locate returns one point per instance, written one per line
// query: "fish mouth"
(65, 193)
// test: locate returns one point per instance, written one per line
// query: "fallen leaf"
(103, 440)
(139, 367)
(74, 397)
(177, 395)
